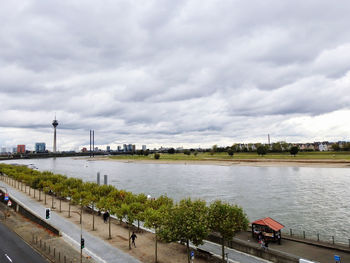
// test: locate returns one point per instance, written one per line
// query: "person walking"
(133, 237)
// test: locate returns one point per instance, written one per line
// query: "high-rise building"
(133, 148)
(108, 148)
(14, 150)
(144, 148)
(119, 148)
(125, 148)
(40, 147)
(21, 148)
(3, 150)
(54, 124)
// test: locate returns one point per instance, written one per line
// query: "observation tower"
(54, 124)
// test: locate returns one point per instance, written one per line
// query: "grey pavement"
(95, 247)
(233, 255)
(100, 250)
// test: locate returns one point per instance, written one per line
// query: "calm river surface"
(310, 199)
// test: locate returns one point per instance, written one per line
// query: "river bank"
(320, 163)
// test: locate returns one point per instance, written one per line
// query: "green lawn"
(240, 156)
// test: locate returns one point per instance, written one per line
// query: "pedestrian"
(133, 237)
(105, 217)
(266, 244)
(279, 238)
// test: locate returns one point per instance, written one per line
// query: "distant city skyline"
(174, 73)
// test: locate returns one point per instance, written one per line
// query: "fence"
(316, 237)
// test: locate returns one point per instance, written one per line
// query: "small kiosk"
(268, 229)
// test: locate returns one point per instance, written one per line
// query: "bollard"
(59, 256)
(44, 246)
(304, 234)
(291, 232)
(54, 252)
(333, 240)
(36, 240)
(64, 259)
(318, 237)
(33, 237)
(49, 249)
(40, 242)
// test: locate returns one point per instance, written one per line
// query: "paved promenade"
(100, 250)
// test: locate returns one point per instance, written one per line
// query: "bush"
(261, 150)
(294, 150)
(230, 152)
(156, 156)
(187, 152)
(171, 151)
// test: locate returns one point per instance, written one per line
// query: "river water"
(316, 200)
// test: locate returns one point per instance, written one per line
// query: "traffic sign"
(6, 197)
(337, 258)
(9, 203)
(192, 254)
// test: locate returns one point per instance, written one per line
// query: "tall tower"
(54, 124)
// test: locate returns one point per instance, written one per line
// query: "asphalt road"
(14, 250)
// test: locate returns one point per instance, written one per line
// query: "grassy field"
(241, 156)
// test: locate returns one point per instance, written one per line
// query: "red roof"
(267, 221)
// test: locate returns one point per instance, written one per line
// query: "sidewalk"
(118, 245)
(100, 250)
(302, 250)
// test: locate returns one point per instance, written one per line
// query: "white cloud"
(173, 72)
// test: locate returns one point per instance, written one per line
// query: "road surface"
(14, 250)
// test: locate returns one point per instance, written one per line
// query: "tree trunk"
(69, 208)
(45, 198)
(188, 251)
(156, 252)
(109, 227)
(129, 236)
(60, 205)
(39, 195)
(29, 190)
(138, 225)
(93, 218)
(223, 250)
(34, 192)
(52, 201)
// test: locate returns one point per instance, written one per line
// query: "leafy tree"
(276, 147)
(187, 152)
(186, 222)
(171, 151)
(335, 147)
(294, 150)
(146, 153)
(261, 150)
(155, 214)
(156, 156)
(226, 220)
(230, 152)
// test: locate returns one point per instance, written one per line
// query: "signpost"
(6, 198)
(9, 203)
(337, 259)
(192, 256)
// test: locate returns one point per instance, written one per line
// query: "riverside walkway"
(102, 251)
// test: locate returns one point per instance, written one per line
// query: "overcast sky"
(174, 73)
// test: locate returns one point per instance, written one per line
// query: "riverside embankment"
(314, 200)
(290, 250)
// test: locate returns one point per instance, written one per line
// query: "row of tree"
(186, 221)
